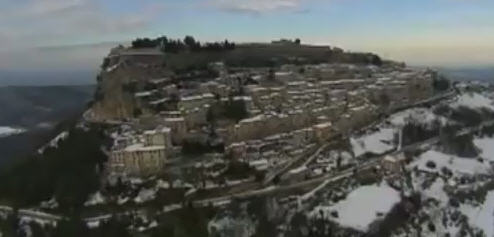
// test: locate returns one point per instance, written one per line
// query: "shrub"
(487, 131)
(194, 148)
(431, 227)
(460, 145)
(236, 110)
(137, 112)
(233, 109)
(467, 116)
(416, 132)
(239, 170)
(440, 84)
(430, 164)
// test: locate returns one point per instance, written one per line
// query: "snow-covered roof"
(323, 125)
(179, 119)
(141, 147)
(253, 119)
(144, 93)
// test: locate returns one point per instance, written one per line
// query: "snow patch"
(8, 131)
(377, 142)
(481, 216)
(416, 116)
(95, 199)
(456, 164)
(298, 169)
(54, 142)
(436, 191)
(362, 206)
(50, 204)
(162, 184)
(486, 146)
(474, 101)
(145, 195)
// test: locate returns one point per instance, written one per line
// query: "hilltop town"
(271, 139)
(264, 116)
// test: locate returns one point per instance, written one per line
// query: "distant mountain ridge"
(469, 73)
(47, 78)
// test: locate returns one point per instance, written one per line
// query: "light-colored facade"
(323, 131)
(178, 129)
(138, 160)
(144, 158)
(393, 164)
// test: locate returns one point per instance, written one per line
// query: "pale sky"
(419, 32)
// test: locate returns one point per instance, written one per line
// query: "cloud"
(62, 58)
(34, 23)
(46, 7)
(257, 6)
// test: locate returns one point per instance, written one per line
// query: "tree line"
(178, 45)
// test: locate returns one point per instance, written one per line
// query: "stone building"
(178, 129)
(160, 137)
(137, 159)
(323, 131)
(196, 117)
(393, 164)
(237, 150)
(142, 158)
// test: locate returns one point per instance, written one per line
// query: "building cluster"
(143, 153)
(281, 111)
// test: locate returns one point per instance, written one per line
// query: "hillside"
(37, 110)
(28, 106)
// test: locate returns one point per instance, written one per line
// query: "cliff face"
(124, 72)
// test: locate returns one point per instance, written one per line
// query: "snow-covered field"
(457, 165)
(376, 142)
(474, 101)
(481, 216)
(362, 206)
(486, 146)
(7, 131)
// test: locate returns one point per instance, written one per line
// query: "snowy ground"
(7, 131)
(362, 206)
(472, 214)
(54, 141)
(435, 190)
(486, 146)
(457, 165)
(481, 216)
(376, 142)
(417, 116)
(95, 199)
(474, 101)
(227, 226)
